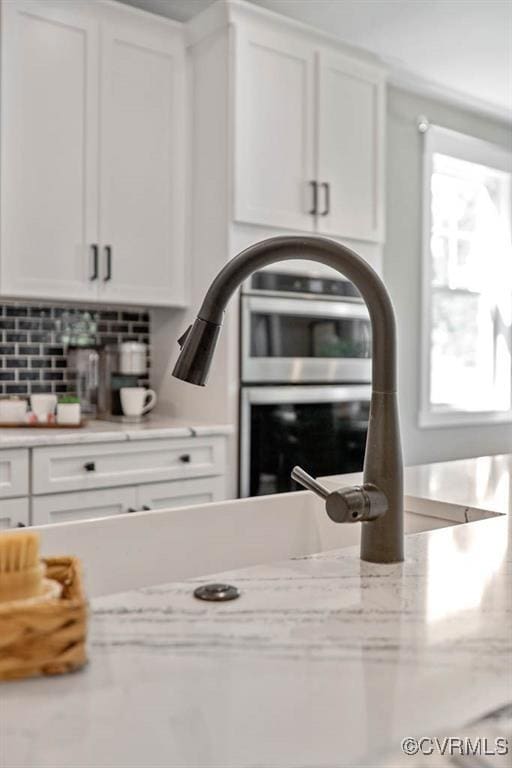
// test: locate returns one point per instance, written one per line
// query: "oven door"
(323, 429)
(292, 340)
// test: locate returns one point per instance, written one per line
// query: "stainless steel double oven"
(305, 379)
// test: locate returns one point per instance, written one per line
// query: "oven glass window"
(277, 335)
(323, 438)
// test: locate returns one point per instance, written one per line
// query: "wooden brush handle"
(18, 585)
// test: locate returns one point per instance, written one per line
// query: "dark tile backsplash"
(33, 350)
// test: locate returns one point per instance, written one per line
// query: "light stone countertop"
(460, 488)
(325, 661)
(97, 431)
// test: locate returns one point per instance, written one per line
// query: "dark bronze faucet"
(378, 503)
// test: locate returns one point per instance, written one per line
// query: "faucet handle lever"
(301, 476)
(358, 503)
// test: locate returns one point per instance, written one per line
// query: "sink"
(186, 542)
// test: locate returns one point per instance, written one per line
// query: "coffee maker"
(122, 365)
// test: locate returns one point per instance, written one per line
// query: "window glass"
(470, 287)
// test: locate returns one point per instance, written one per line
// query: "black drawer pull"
(314, 208)
(185, 458)
(108, 254)
(21, 525)
(132, 509)
(90, 466)
(327, 208)
(146, 508)
(94, 273)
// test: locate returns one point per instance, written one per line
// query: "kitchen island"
(324, 661)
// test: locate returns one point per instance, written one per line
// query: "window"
(467, 281)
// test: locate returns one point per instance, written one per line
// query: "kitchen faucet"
(378, 502)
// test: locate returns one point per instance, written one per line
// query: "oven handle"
(316, 308)
(291, 393)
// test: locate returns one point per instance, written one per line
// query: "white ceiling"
(462, 46)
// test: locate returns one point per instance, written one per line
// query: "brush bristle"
(18, 551)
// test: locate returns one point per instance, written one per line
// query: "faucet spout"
(381, 538)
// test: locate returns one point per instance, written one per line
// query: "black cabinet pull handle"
(327, 189)
(108, 273)
(314, 210)
(21, 525)
(94, 251)
(146, 508)
(185, 458)
(131, 510)
(90, 466)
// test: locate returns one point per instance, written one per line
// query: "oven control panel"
(288, 283)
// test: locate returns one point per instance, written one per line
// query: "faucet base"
(382, 540)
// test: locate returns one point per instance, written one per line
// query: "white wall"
(402, 259)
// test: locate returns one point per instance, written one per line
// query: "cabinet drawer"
(83, 467)
(65, 507)
(13, 513)
(14, 472)
(180, 493)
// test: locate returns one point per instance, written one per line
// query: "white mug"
(43, 406)
(133, 400)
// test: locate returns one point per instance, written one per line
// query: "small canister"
(133, 358)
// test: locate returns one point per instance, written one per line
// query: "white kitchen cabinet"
(309, 134)
(14, 472)
(350, 148)
(84, 505)
(88, 505)
(49, 149)
(14, 513)
(89, 466)
(180, 493)
(92, 153)
(57, 483)
(142, 173)
(274, 111)
(95, 503)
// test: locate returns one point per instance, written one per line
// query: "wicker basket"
(49, 638)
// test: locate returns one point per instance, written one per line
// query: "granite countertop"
(460, 487)
(97, 431)
(484, 482)
(325, 661)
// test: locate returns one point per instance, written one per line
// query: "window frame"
(464, 147)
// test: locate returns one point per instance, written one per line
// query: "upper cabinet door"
(350, 159)
(142, 153)
(49, 153)
(273, 128)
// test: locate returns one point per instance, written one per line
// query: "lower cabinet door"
(180, 493)
(13, 473)
(84, 505)
(14, 513)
